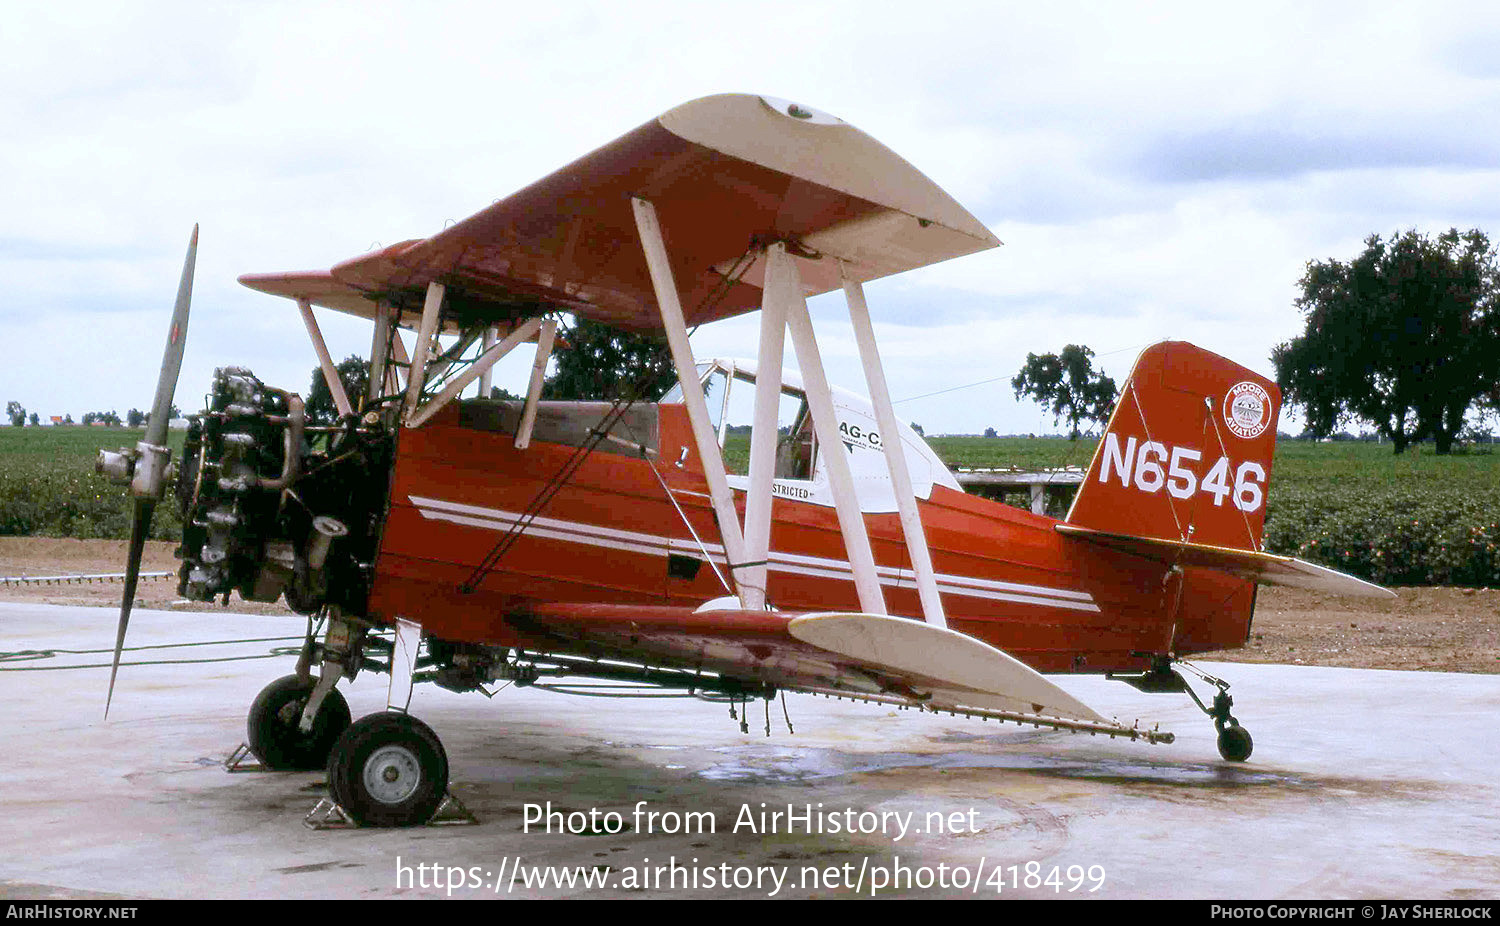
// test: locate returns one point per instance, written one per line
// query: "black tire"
(1235, 744)
(388, 769)
(272, 727)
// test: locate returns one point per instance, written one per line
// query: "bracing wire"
(617, 411)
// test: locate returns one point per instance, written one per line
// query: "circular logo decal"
(1247, 410)
(801, 113)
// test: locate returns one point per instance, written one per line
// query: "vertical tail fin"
(1187, 454)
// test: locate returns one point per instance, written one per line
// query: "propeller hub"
(149, 479)
(118, 468)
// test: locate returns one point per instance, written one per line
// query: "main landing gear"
(1235, 744)
(274, 730)
(386, 769)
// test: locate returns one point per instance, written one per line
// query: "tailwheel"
(388, 769)
(1235, 743)
(274, 727)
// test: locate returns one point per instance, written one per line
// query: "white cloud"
(1154, 169)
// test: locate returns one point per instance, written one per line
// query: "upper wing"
(725, 174)
(856, 653)
(316, 286)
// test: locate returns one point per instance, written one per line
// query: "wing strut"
(396, 379)
(325, 362)
(670, 305)
(544, 344)
(380, 346)
(826, 426)
(895, 454)
(486, 379)
(431, 308)
(481, 364)
(780, 290)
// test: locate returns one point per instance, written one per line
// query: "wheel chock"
(243, 760)
(328, 815)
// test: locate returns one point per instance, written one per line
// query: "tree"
(601, 362)
(353, 372)
(1403, 337)
(16, 413)
(109, 417)
(36, 422)
(1068, 384)
(135, 418)
(173, 413)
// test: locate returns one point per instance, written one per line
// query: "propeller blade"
(140, 527)
(148, 491)
(171, 361)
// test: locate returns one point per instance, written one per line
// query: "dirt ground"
(38, 557)
(1437, 629)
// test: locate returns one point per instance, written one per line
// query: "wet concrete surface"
(1364, 784)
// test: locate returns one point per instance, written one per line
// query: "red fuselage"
(612, 535)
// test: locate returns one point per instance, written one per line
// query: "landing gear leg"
(1235, 743)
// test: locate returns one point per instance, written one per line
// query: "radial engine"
(273, 506)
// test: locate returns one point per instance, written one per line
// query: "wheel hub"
(291, 712)
(392, 774)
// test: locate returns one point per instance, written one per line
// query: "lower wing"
(860, 654)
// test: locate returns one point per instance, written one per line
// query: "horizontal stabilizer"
(944, 659)
(1264, 568)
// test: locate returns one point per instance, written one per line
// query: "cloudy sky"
(1155, 170)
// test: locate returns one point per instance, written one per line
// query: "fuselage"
(633, 524)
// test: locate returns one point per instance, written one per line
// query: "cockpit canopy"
(729, 389)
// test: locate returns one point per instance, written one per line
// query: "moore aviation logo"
(1247, 410)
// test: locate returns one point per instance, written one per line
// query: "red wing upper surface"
(727, 175)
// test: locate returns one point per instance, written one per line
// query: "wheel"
(1235, 743)
(273, 730)
(388, 769)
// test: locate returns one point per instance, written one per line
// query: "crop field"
(1413, 519)
(1416, 519)
(48, 487)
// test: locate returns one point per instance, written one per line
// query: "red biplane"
(470, 541)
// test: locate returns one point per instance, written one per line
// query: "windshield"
(674, 395)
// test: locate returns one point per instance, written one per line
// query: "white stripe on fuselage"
(791, 563)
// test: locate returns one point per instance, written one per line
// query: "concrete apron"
(1363, 784)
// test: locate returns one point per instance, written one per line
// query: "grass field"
(48, 486)
(1414, 519)
(1022, 452)
(1333, 465)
